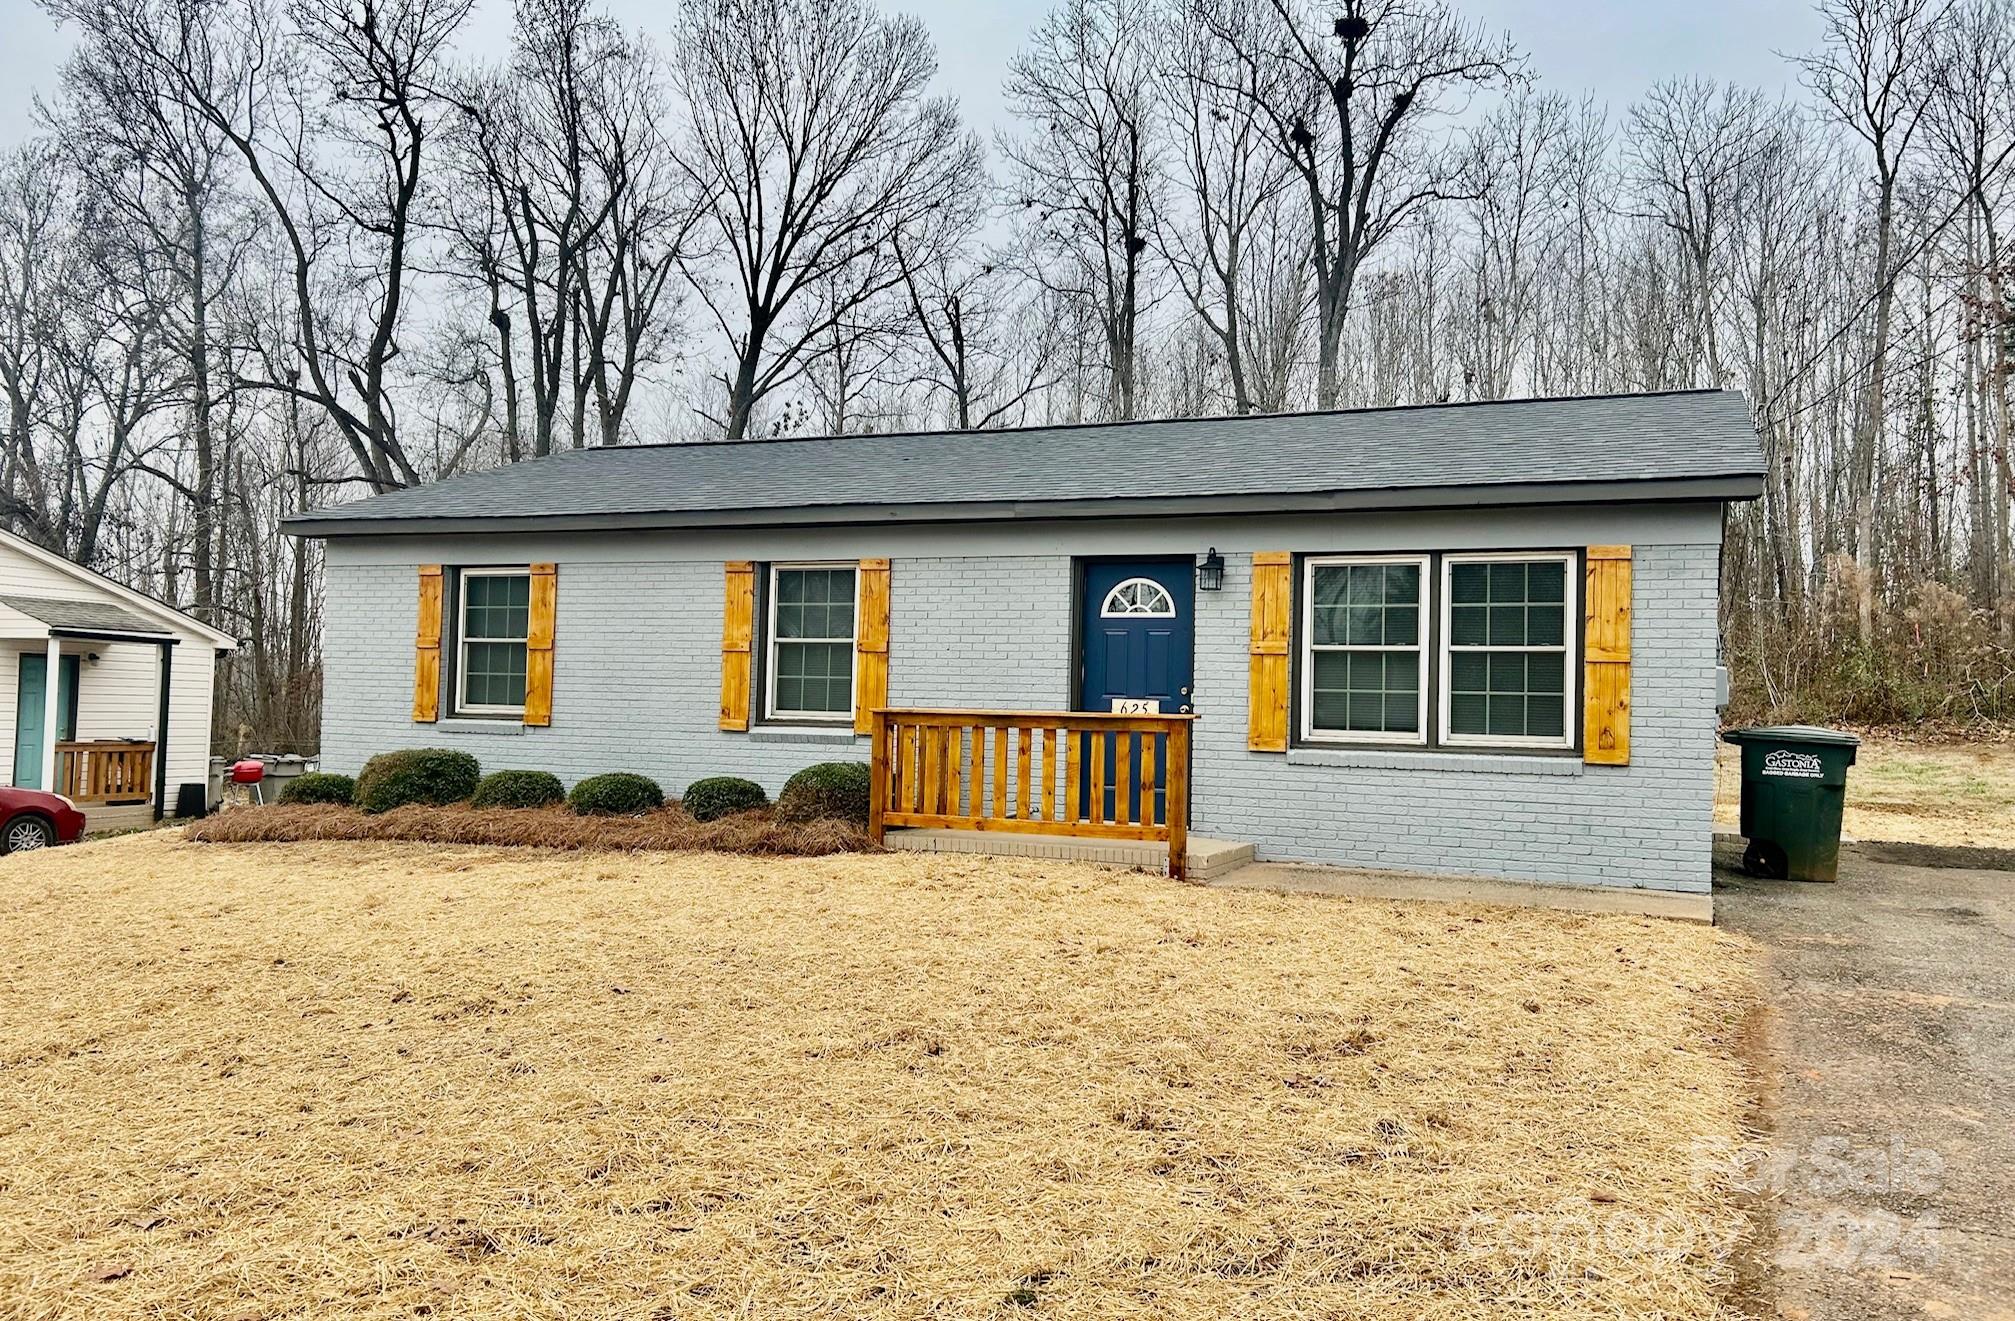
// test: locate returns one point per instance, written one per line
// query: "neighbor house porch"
(89, 705)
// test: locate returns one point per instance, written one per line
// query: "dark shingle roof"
(83, 616)
(1464, 449)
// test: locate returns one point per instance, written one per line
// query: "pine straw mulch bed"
(377, 1080)
(668, 829)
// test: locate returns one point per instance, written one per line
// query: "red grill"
(249, 771)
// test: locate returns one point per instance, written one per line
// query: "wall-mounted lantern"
(1210, 572)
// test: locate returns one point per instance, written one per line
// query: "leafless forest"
(267, 255)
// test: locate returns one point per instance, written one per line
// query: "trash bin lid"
(1838, 738)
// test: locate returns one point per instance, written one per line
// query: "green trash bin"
(1794, 786)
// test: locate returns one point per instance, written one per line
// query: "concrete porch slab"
(1308, 878)
(1207, 858)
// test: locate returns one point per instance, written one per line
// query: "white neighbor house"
(128, 721)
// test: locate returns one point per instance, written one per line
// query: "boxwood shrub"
(319, 787)
(416, 775)
(618, 793)
(830, 789)
(718, 795)
(519, 789)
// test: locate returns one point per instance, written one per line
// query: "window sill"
(1510, 763)
(840, 735)
(481, 725)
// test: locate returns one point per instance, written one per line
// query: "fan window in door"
(1138, 597)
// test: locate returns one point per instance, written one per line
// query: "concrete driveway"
(1888, 1057)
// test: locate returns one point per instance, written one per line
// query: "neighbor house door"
(29, 704)
(1137, 644)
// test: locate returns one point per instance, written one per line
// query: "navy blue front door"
(1137, 647)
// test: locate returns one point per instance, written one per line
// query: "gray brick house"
(1472, 639)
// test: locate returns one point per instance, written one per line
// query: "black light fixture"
(1210, 572)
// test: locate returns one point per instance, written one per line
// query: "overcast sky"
(1613, 48)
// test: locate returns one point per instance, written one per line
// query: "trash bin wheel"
(1762, 858)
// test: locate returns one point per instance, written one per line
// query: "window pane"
(1402, 671)
(1468, 625)
(1545, 674)
(1469, 583)
(1507, 672)
(496, 606)
(814, 676)
(1507, 582)
(1469, 672)
(1466, 712)
(1544, 625)
(815, 603)
(1507, 626)
(1365, 691)
(1507, 715)
(1546, 580)
(1545, 717)
(1365, 605)
(1329, 585)
(496, 674)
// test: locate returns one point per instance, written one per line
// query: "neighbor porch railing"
(104, 771)
(1079, 773)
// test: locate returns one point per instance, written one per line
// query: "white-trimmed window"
(811, 641)
(1507, 649)
(1364, 649)
(495, 618)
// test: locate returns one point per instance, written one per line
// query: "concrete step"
(1208, 859)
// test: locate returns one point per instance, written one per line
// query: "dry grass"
(668, 829)
(377, 1080)
(1916, 790)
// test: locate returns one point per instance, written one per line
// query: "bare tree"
(332, 112)
(1350, 99)
(813, 138)
(1233, 196)
(1972, 126)
(1872, 71)
(1082, 170)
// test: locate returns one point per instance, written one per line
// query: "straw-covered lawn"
(367, 1079)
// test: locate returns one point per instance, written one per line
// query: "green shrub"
(619, 793)
(319, 787)
(519, 789)
(416, 775)
(718, 795)
(837, 789)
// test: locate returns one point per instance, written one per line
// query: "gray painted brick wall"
(1646, 824)
(636, 666)
(974, 623)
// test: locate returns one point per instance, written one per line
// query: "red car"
(35, 820)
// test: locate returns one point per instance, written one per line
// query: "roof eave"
(1723, 487)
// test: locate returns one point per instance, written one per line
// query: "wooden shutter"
(738, 631)
(1605, 720)
(539, 645)
(871, 645)
(427, 647)
(1272, 616)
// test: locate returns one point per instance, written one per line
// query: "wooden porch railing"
(1080, 773)
(105, 772)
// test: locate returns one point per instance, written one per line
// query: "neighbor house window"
(1507, 649)
(1364, 668)
(811, 637)
(495, 620)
